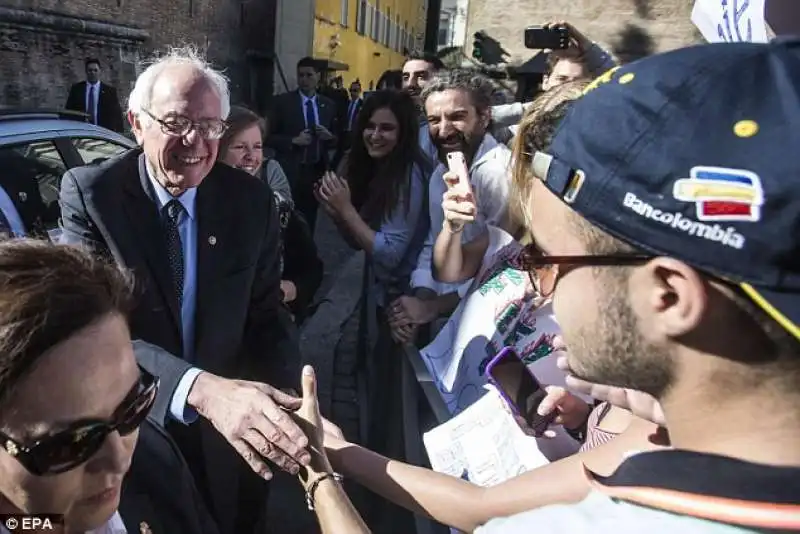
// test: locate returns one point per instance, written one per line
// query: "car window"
(93, 150)
(39, 161)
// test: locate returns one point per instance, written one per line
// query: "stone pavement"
(319, 337)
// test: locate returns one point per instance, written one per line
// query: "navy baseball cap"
(690, 154)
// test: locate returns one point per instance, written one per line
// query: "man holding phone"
(302, 126)
(458, 109)
(578, 58)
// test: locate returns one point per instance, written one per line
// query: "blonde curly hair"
(534, 133)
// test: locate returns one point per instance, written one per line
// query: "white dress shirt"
(96, 86)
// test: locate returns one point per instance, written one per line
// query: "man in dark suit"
(22, 210)
(203, 240)
(302, 126)
(348, 122)
(97, 99)
(158, 492)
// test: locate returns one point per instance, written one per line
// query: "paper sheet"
(731, 20)
(482, 444)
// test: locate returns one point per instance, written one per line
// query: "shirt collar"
(187, 198)
(307, 98)
(488, 144)
(95, 84)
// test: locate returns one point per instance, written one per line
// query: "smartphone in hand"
(540, 38)
(521, 390)
(457, 165)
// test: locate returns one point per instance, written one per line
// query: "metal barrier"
(425, 380)
(415, 376)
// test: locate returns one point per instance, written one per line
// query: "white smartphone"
(457, 164)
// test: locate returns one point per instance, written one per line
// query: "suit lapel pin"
(144, 528)
(212, 240)
(23, 196)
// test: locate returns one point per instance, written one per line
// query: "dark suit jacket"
(302, 264)
(159, 489)
(287, 120)
(242, 329)
(359, 104)
(109, 112)
(18, 179)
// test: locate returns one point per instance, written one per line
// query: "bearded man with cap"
(676, 247)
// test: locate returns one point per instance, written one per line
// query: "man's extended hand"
(253, 418)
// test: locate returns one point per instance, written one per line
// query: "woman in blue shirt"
(381, 207)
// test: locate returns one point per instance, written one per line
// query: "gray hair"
(471, 81)
(142, 94)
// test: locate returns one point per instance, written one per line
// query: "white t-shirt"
(500, 310)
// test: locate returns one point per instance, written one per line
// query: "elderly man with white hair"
(202, 240)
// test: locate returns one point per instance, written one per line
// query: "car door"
(41, 161)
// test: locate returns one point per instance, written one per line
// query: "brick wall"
(43, 43)
(622, 25)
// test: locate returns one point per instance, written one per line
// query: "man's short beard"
(612, 350)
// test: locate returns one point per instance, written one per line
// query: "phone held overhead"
(544, 38)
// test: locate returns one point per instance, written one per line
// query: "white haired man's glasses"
(179, 126)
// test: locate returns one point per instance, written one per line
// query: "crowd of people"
(637, 246)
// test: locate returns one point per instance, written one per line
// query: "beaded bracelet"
(314, 485)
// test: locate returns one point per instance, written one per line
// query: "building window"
(444, 29)
(376, 24)
(345, 20)
(397, 34)
(443, 37)
(370, 20)
(387, 27)
(361, 16)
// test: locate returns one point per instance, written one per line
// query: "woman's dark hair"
(239, 119)
(48, 293)
(390, 79)
(377, 186)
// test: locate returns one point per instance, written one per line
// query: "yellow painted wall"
(359, 51)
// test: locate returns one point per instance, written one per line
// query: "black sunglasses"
(67, 449)
(544, 270)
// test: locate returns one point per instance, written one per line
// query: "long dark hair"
(390, 79)
(376, 195)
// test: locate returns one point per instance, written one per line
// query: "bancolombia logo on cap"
(728, 237)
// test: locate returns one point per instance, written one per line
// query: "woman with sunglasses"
(73, 402)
